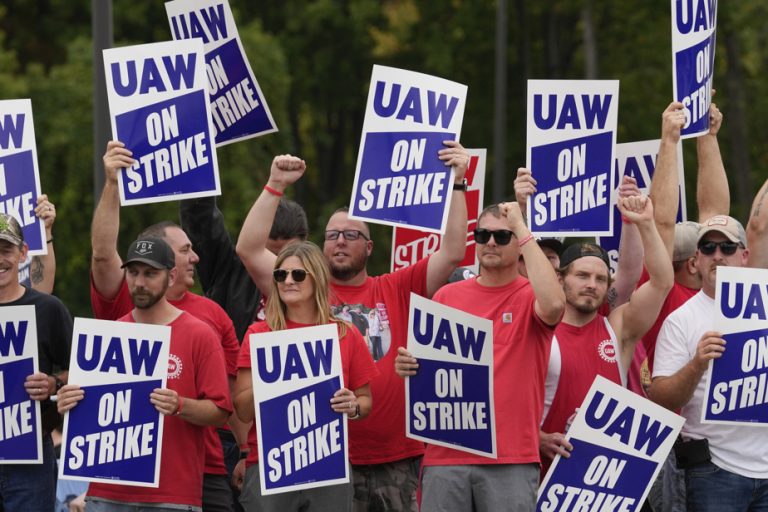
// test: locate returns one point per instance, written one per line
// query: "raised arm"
(454, 243)
(757, 230)
(252, 243)
(550, 298)
(665, 183)
(203, 222)
(712, 193)
(42, 270)
(633, 320)
(630, 263)
(525, 187)
(105, 260)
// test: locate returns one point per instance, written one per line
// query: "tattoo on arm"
(760, 203)
(612, 296)
(36, 269)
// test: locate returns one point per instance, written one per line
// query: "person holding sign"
(384, 460)
(39, 272)
(524, 313)
(30, 486)
(110, 296)
(300, 298)
(196, 395)
(724, 464)
(587, 343)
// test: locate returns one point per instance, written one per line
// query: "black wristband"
(461, 186)
(243, 455)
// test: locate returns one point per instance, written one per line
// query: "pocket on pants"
(702, 470)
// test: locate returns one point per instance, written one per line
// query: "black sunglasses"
(281, 274)
(502, 236)
(349, 235)
(708, 247)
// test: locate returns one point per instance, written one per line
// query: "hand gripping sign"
(694, 27)
(20, 434)
(637, 160)
(158, 102)
(571, 139)
(449, 402)
(399, 180)
(620, 440)
(737, 382)
(115, 434)
(238, 108)
(411, 245)
(19, 174)
(302, 441)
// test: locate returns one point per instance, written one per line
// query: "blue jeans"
(26, 487)
(713, 489)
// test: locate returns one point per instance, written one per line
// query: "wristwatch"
(462, 186)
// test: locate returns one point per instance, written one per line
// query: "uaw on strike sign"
(115, 434)
(400, 181)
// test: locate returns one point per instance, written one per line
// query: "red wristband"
(179, 406)
(525, 240)
(273, 191)
(625, 220)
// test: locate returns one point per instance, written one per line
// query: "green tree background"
(313, 61)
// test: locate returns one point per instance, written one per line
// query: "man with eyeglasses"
(524, 314)
(587, 343)
(385, 463)
(729, 473)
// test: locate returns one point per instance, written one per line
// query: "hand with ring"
(344, 402)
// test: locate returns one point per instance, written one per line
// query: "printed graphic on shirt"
(607, 351)
(373, 324)
(174, 366)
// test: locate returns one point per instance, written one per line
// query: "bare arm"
(198, 412)
(252, 242)
(665, 183)
(630, 264)
(550, 298)
(345, 401)
(242, 397)
(757, 230)
(525, 187)
(454, 243)
(105, 260)
(712, 193)
(675, 391)
(42, 270)
(633, 320)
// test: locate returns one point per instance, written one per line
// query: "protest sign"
(115, 434)
(238, 108)
(570, 151)
(449, 402)
(20, 433)
(637, 160)
(694, 27)
(411, 245)
(620, 441)
(19, 174)
(736, 389)
(399, 179)
(302, 440)
(158, 103)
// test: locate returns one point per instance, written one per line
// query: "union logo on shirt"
(174, 366)
(607, 351)
(506, 318)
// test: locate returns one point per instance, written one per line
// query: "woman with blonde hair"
(299, 298)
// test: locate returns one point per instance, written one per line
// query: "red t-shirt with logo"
(521, 342)
(380, 437)
(195, 370)
(357, 368)
(203, 309)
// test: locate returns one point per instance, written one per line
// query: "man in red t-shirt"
(110, 300)
(384, 462)
(196, 394)
(524, 314)
(586, 343)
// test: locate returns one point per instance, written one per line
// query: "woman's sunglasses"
(281, 274)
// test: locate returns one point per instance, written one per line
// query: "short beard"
(153, 299)
(349, 271)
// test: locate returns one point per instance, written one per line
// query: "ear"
(369, 247)
(24, 252)
(690, 265)
(744, 257)
(172, 275)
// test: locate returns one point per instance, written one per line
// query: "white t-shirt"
(739, 449)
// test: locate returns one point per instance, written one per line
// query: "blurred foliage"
(313, 60)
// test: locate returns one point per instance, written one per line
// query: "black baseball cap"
(555, 244)
(580, 250)
(151, 251)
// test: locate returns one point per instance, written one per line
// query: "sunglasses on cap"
(297, 274)
(349, 235)
(708, 248)
(501, 236)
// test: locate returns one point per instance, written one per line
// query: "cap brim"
(726, 234)
(11, 239)
(146, 261)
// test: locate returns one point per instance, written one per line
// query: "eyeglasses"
(708, 247)
(349, 235)
(502, 236)
(297, 274)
